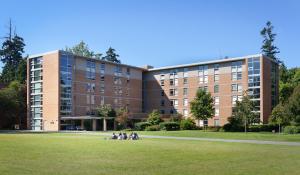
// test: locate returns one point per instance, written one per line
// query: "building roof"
(205, 62)
(61, 51)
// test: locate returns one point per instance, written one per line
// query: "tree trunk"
(104, 124)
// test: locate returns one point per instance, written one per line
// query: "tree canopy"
(82, 49)
(111, 56)
(202, 106)
(268, 48)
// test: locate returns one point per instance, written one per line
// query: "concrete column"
(94, 124)
(104, 124)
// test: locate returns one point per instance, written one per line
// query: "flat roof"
(62, 51)
(206, 62)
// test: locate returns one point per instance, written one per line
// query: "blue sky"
(156, 32)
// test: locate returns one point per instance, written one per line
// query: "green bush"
(232, 128)
(187, 124)
(152, 128)
(169, 126)
(262, 128)
(154, 118)
(291, 129)
(140, 126)
(214, 128)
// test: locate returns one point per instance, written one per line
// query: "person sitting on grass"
(120, 137)
(114, 136)
(125, 136)
(135, 136)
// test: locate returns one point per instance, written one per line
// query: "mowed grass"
(77, 154)
(227, 135)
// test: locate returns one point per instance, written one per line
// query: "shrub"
(141, 126)
(291, 130)
(213, 128)
(232, 128)
(187, 124)
(154, 118)
(262, 128)
(169, 126)
(152, 128)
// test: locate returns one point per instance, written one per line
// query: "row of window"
(174, 92)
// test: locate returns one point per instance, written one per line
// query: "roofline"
(206, 62)
(62, 51)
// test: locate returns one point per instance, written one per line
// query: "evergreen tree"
(111, 56)
(82, 49)
(268, 48)
(202, 107)
(11, 55)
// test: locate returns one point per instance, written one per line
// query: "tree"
(293, 106)
(202, 107)
(279, 116)
(243, 113)
(106, 112)
(122, 116)
(82, 49)
(268, 48)
(13, 106)
(11, 55)
(154, 117)
(111, 56)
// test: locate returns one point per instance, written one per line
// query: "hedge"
(169, 126)
(152, 128)
(291, 129)
(140, 126)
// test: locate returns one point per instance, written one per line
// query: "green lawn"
(74, 154)
(227, 135)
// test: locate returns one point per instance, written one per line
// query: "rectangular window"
(171, 82)
(162, 82)
(162, 102)
(216, 89)
(185, 72)
(162, 111)
(174, 102)
(217, 112)
(217, 122)
(203, 74)
(102, 101)
(185, 91)
(216, 78)
(102, 78)
(88, 99)
(185, 80)
(216, 69)
(176, 81)
(162, 77)
(236, 70)
(185, 113)
(102, 88)
(92, 99)
(236, 98)
(216, 100)
(162, 93)
(185, 102)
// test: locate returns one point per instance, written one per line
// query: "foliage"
(279, 116)
(291, 129)
(154, 118)
(82, 49)
(152, 128)
(262, 128)
(13, 105)
(169, 126)
(187, 124)
(111, 56)
(268, 48)
(293, 106)
(106, 111)
(11, 55)
(202, 106)
(243, 114)
(122, 116)
(176, 117)
(140, 126)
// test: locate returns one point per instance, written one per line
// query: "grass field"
(74, 154)
(227, 135)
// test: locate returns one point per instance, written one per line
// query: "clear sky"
(156, 32)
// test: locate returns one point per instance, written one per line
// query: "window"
(205, 88)
(216, 69)
(185, 112)
(185, 80)
(185, 72)
(88, 99)
(128, 71)
(162, 82)
(217, 112)
(216, 89)
(171, 82)
(102, 68)
(185, 91)
(236, 98)
(92, 99)
(216, 122)
(173, 92)
(90, 69)
(216, 78)
(162, 111)
(203, 74)
(102, 78)
(117, 80)
(236, 70)
(185, 102)
(174, 102)
(236, 88)
(162, 102)
(162, 77)
(176, 81)
(102, 88)
(216, 100)
(162, 93)
(102, 101)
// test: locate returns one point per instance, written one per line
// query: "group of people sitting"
(123, 136)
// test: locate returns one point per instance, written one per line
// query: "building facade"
(64, 90)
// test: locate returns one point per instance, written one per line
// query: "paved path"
(261, 142)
